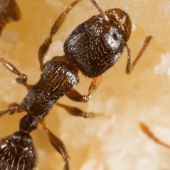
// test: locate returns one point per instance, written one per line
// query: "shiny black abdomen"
(57, 80)
(92, 49)
(14, 158)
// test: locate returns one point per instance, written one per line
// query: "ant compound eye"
(28, 123)
(16, 158)
(21, 140)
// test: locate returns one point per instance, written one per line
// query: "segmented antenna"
(96, 4)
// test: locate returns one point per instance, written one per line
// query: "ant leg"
(130, 66)
(44, 47)
(57, 144)
(12, 108)
(152, 136)
(22, 79)
(76, 96)
(74, 111)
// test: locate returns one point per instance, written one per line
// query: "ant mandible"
(9, 11)
(93, 47)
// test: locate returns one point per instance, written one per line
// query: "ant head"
(122, 19)
(21, 140)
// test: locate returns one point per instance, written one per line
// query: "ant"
(9, 11)
(92, 48)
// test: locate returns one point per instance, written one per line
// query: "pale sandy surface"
(101, 144)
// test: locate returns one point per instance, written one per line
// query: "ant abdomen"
(95, 45)
(17, 152)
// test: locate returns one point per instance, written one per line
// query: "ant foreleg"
(76, 96)
(44, 47)
(57, 144)
(130, 66)
(22, 79)
(12, 108)
(74, 111)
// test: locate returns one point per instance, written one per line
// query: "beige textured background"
(101, 144)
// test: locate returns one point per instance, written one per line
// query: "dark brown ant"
(93, 47)
(9, 11)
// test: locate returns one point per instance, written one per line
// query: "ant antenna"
(96, 4)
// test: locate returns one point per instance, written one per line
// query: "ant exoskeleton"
(9, 11)
(93, 47)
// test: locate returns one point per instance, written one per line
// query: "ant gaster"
(93, 47)
(9, 11)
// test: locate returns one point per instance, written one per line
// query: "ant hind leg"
(57, 144)
(74, 111)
